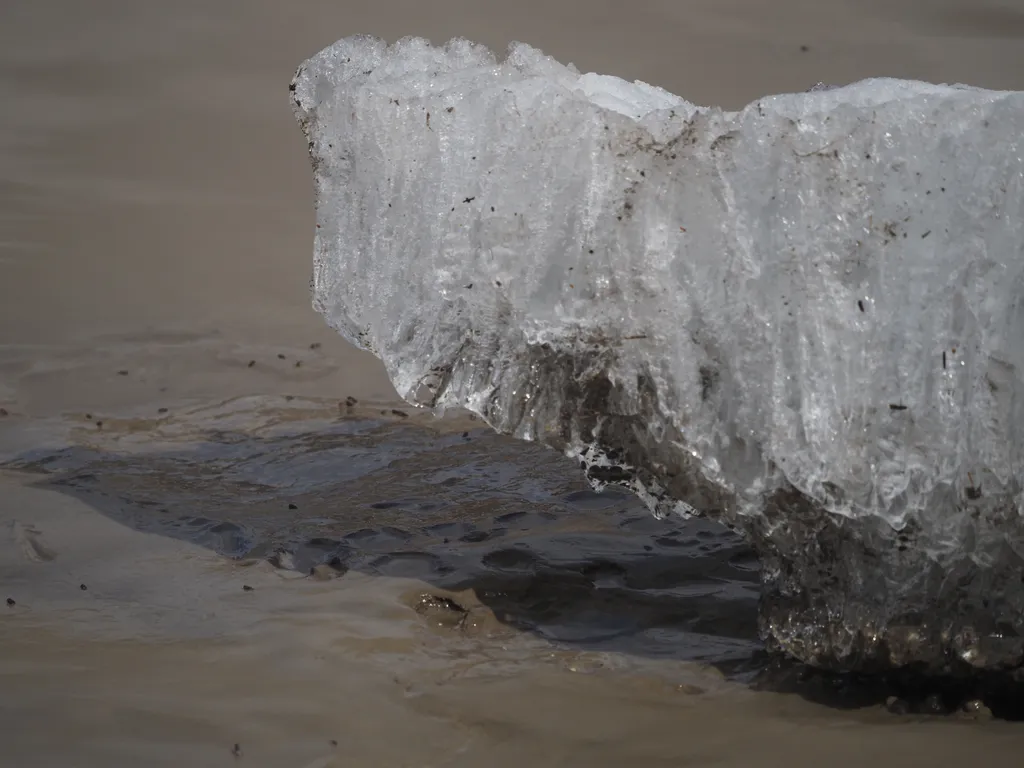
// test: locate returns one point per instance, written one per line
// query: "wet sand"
(217, 526)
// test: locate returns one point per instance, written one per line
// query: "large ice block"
(804, 319)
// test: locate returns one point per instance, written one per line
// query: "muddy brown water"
(319, 493)
(208, 557)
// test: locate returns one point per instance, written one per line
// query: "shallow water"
(321, 584)
(321, 488)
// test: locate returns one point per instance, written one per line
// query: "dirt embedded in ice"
(800, 319)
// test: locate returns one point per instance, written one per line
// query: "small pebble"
(99, 425)
(350, 401)
(442, 612)
(3, 412)
(315, 345)
(465, 435)
(976, 709)
(280, 356)
(933, 705)
(804, 48)
(122, 373)
(246, 588)
(298, 363)
(400, 414)
(161, 410)
(293, 506)
(250, 364)
(896, 705)
(82, 587)
(88, 416)
(334, 742)
(10, 602)
(237, 750)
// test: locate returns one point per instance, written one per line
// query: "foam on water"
(802, 318)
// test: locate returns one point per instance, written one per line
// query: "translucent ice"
(804, 319)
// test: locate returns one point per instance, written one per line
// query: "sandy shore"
(155, 249)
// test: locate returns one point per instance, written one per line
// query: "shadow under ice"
(371, 491)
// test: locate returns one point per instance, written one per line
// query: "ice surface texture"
(804, 319)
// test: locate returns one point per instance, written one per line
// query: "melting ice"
(804, 319)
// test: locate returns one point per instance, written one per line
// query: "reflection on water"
(322, 489)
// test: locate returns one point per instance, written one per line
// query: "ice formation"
(804, 319)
